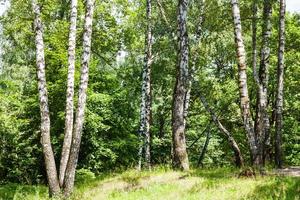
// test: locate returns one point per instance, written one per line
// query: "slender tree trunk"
(82, 95)
(199, 136)
(202, 154)
(54, 188)
(262, 118)
(239, 161)
(146, 92)
(280, 79)
(243, 88)
(198, 37)
(171, 31)
(195, 53)
(254, 41)
(180, 156)
(163, 15)
(140, 152)
(70, 94)
(161, 122)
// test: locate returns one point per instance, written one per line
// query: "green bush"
(84, 176)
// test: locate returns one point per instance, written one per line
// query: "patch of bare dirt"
(103, 190)
(290, 171)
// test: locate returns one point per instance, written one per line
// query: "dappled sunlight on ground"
(204, 184)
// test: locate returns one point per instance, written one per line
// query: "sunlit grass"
(165, 184)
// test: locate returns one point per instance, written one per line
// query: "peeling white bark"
(280, 86)
(145, 113)
(82, 95)
(180, 157)
(243, 88)
(70, 94)
(54, 188)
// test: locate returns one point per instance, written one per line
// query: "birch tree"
(242, 79)
(82, 95)
(51, 172)
(280, 79)
(70, 94)
(195, 55)
(262, 124)
(254, 41)
(145, 112)
(180, 156)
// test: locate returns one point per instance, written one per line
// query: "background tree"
(280, 79)
(109, 136)
(180, 157)
(262, 124)
(146, 93)
(239, 161)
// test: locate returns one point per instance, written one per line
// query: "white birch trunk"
(280, 86)
(82, 95)
(54, 188)
(70, 94)
(145, 112)
(242, 76)
(180, 156)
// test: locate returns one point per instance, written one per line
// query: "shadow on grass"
(212, 178)
(15, 191)
(8, 191)
(218, 173)
(278, 188)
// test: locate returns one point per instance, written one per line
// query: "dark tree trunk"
(203, 151)
(54, 188)
(145, 113)
(199, 136)
(243, 88)
(70, 94)
(262, 118)
(161, 123)
(280, 80)
(239, 161)
(180, 156)
(82, 95)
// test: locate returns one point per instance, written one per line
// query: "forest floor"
(290, 171)
(166, 184)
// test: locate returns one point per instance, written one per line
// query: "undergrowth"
(164, 183)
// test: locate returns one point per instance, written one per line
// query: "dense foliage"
(110, 137)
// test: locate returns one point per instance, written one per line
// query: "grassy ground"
(165, 184)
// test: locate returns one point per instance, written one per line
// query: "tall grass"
(164, 184)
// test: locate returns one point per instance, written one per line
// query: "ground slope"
(165, 184)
